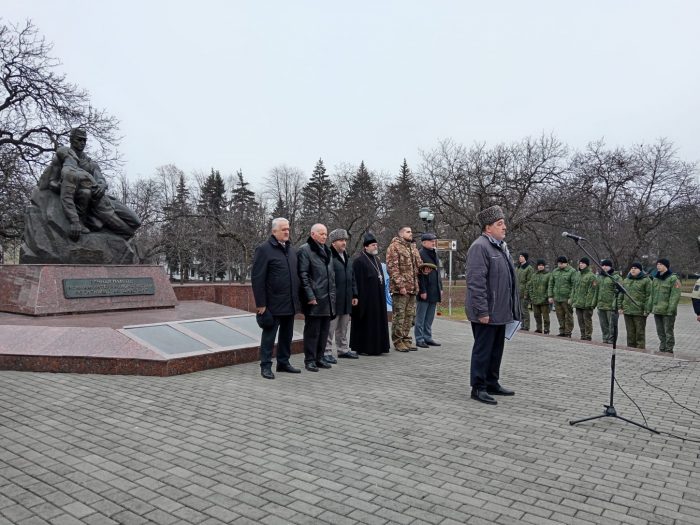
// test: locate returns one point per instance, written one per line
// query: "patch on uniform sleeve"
(677, 285)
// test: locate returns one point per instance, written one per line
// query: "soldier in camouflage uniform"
(608, 301)
(638, 285)
(539, 285)
(665, 294)
(585, 297)
(561, 283)
(402, 262)
(524, 272)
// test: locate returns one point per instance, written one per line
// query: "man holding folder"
(492, 304)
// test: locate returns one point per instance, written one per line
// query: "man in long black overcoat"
(369, 330)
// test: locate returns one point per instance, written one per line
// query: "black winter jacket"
(431, 283)
(317, 279)
(274, 277)
(345, 285)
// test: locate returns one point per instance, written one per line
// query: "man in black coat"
(318, 296)
(276, 291)
(345, 298)
(369, 331)
(429, 293)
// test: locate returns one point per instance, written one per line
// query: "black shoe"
(432, 343)
(538, 331)
(546, 331)
(421, 344)
(498, 390)
(562, 335)
(330, 359)
(483, 397)
(348, 355)
(323, 364)
(287, 368)
(524, 329)
(267, 373)
(311, 367)
(412, 348)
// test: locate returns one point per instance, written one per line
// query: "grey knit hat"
(489, 216)
(337, 235)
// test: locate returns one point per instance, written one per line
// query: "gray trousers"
(339, 332)
(607, 320)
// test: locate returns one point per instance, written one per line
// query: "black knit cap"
(636, 264)
(585, 260)
(606, 262)
(526, 255)
(664, 261)
(368, 239)
(541, 262)
(562, 259)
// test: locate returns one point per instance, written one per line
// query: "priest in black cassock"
(369, 330)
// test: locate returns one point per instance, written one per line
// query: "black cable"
(633, 401)
(676, 366)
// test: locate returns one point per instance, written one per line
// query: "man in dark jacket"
(345, 298)
(429, 293)
(318, 296)
(492, 302)
(276, 291)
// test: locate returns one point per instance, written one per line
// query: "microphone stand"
(610, 409)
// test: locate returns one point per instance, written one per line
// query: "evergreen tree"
(401, 203)
(212, 199)
(211, 206)
(319, 199)
(361, 207)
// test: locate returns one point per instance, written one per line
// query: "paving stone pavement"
(389, 439)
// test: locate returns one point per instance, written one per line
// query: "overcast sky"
(250, 85)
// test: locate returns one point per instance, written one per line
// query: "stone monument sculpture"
(71, 219)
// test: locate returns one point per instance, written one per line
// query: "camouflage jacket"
(585, 292)
(539, 285)
(665, 294)
(607, 300)
(524, 273)
(402, 261)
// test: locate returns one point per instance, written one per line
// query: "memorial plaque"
(108, 287)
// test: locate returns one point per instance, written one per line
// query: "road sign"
(446, 245)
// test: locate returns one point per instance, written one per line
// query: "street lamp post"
(427, 216)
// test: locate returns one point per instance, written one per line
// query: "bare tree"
(284, 186)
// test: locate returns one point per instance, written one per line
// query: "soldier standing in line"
(539, 284)
(607, 300)
(402, 262)
(524, 272)
(561, 283)
(638, 285)
(584, 298)
(665, 294)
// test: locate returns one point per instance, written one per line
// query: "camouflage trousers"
(664, 329)
(404, 314)
(525, 313)
(636, 326)
(565, 316)
(541, 312)
(585, 322)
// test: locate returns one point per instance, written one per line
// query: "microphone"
(572, 236)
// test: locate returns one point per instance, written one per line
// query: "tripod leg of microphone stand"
(577, 421)
(638, 424)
